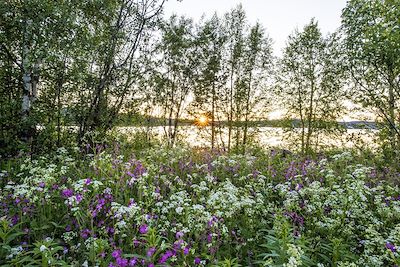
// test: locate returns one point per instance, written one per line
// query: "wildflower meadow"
(197, 207)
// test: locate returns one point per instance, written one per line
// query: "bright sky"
(279, 17)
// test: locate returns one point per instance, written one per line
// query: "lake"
(264, 136)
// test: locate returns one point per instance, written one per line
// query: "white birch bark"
(26, 78)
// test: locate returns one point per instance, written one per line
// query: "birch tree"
(175, 73)
(257, 69)
(113, 72)
(372, 41)
(212, 75)
(28, 31)
(310, 83)
(235, 27)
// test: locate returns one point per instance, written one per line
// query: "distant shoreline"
(269, 123)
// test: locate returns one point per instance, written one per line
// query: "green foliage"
(72, 63)
(372, 43)
(282, 247)
(44, 253)
(7, 236)
(310, 84)
(228, 263)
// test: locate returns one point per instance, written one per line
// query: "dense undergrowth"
(193, 207)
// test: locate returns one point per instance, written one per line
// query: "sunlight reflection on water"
(264, 136)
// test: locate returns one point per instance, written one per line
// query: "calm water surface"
(264, 136)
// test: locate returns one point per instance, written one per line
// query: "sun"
(202, 120)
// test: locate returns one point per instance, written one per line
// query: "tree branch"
(11, 56)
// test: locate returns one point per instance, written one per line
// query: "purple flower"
(116, 253)
(94, 213)
(197, 260)
(151, 264)
(136, 243)
(209, 238)
(178, 244)
(179, 235)
(122, 262)
(88, 181)
(297, 219)
(79, 198)
(151, 251)
(391, 246)
(211, 222)
(186, 250)
(110, 230)
(85, 233)
(132, 262)
(14, 219)
(143, 229)
(41, 184)
(67, 193)
(165, 256)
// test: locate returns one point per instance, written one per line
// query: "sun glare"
(202, 120)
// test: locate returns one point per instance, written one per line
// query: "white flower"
(42, 248)
(179, 210)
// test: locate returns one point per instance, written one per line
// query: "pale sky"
(279, 17)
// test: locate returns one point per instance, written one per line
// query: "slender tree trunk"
(213, 115)
(246, 119)
(175, 131)
(60, 82)
(303, 133)
(27, 75)
(230, 116)
(26, 95)
(392, 107)
(302, 122)
(177, 114)
(171, 110)
(237, 121)
(30, 79)
(310, 117)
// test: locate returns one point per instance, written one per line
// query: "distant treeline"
(140, 120)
